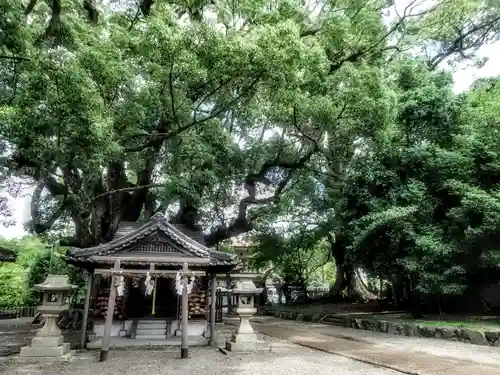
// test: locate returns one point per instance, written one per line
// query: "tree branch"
(20, 58)
(402, 18)
(91, 7)
(128, 189)
(29, 7)
(457, 45)
(170, 134)
(38, 226)
(50, 32)
(145, 6)
(242, 223)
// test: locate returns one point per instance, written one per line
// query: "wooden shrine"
(149, 257)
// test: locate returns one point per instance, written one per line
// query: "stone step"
(152, 321)
(334, 320)
(155, 331)
(150, 337)
(151, 326)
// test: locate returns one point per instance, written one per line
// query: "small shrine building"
(150, 256)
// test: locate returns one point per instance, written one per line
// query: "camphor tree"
(421, 208)
(118, 110)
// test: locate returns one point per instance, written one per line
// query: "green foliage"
(293, 254)
(318, 129)
(427, 208)
(13, 290)
(34, 262)
(170, 102)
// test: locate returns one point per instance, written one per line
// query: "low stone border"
(466, 335)
(303, 317)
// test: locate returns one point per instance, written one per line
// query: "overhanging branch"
(38, 226)
(242, 223)
(128, 189)
(162, 136)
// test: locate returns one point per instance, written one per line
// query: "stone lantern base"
(46, 347)
(242, 343)
(244, 339)
(48, 342)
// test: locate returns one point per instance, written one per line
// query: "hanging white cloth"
(190, 285)
(121, 286)
(178, 284)
(149, 284)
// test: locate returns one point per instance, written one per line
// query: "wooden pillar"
(106, 340)
(184, 337)
(90, 283)
(206, 284)
(213, 305)
(229, 295)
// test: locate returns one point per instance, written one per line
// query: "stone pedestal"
(48, 342)
(244, 339)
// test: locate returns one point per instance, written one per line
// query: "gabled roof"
(156, 231)
(7, 255)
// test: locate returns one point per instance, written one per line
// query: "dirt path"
(368, 351)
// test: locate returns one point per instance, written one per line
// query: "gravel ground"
(281, 359)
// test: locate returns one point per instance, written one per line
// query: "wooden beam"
(106, 340)
(104, 271)
(90, 283)
(149, 259)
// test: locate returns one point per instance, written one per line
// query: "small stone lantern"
(245, 291)
(48, 341)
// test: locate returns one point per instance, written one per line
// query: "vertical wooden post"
(206, 284)
(90, 282)
(106, 340)
(213, 304)
(153, 301)
(229, 295)
(184, 337)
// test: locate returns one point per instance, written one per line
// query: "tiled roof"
(129, 237)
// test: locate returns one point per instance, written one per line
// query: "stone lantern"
(48, 341)
(245, 291)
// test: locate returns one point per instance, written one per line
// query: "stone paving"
(405, 354)
(487, 336)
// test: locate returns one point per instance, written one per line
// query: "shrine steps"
(153, 329)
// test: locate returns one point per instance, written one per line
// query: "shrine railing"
(14, 312)
(225, 304)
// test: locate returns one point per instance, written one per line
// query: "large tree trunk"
(341, 281)
(343, 273)
(348, 282)
(359, 289)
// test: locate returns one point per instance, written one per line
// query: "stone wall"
(466, 335)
